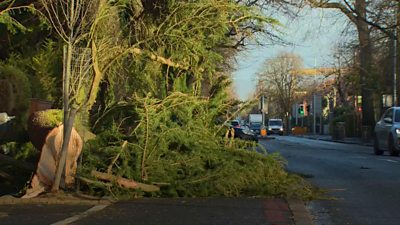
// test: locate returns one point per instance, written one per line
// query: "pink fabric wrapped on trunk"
(50, 153)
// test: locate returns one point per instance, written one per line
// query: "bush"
(48, 118)
(14, 99)
(346, 115)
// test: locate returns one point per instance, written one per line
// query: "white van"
(275, 126)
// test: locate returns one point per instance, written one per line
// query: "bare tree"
(357, 13)
(72, 21)
(278, 81)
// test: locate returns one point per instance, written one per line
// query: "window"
(397, 116)
(388, 114)
(235, 123)
(275, 123)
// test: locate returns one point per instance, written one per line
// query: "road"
(365, 188)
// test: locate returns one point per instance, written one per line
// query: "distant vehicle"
(387, 132)
(255, 118)
(275, 126)
(256, 128)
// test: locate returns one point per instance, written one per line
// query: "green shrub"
(49, 118)
(346, 115)
(14, 99)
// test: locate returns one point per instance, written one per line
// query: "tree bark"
(123, 182)
(69, 116)
(357, 16)
(365, 70)
(64, 150)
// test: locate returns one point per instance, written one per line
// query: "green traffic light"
(301, 110)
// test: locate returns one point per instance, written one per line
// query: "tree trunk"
(366, 75)
(69, 116)
(64, 150)
(368, 118)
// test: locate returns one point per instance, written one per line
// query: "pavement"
(145, 211)
(346, 140)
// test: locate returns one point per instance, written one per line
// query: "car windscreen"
(275, 123)
(397, 116)
(255, 126)
(235, 123)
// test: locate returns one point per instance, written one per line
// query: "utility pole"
(296, 111)
(262, 110)
(314, 114)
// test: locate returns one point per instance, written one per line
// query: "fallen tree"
(173, 150)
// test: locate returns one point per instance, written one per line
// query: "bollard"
(263, 132)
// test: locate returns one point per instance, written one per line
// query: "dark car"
(235, 123)
(244, 133)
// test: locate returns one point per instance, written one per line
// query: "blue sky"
(313, 37)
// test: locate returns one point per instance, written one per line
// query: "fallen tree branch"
(123, 182)
(149, 55)
(109, 170)
(95, 182)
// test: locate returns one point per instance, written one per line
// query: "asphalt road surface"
(365, 188)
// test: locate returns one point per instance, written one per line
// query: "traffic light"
(301, 109)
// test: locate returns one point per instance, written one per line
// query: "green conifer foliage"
(174, 144)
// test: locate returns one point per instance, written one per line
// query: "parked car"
(243, 132)
(387, 132)
(235, 123)
(275, 126)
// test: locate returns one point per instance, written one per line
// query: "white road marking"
(80, 216)
(389, 160)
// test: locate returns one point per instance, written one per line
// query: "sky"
(313, 37)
